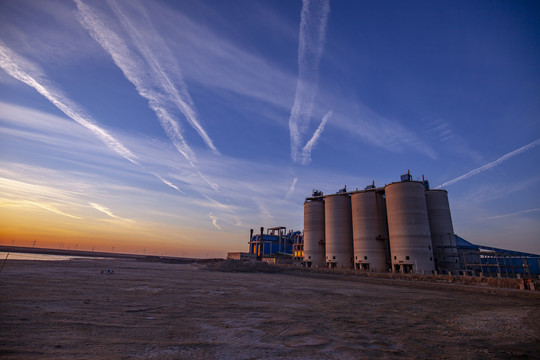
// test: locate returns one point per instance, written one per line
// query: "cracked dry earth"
(70, 310)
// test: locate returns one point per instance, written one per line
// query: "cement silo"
(314, 232)
(370, 231)
(408, 227)
(338, 231)
(442, 232)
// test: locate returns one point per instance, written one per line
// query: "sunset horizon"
(174, 127)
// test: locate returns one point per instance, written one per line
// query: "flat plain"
(76, 310)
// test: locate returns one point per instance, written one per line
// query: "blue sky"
(173, 127)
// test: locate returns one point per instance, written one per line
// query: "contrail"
(313, 21)
(51, 208)
(104, 210)
(168, 183)
(29, 74)
(291, 188)
(513, 214)
(133, 65)
(265, 212)
(306, 151)
(491, 164)
(213, 185)
(177, 93)
(213, 203)
(214, 220)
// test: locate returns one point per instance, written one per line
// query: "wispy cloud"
(211, 203)
(56, 38)
(306, 151)
(312, 35)
(492, 164)
(515, 213)
(214, 61)
(362, 122)
(36, 191)
(31, 75)
(51, 208)
(20, 193)
(265, 212)
(161, 85)
(164, 67)
(41, 205)
(90, 171)
(454, 142)
(291, 188)
(214, 220)
(483, 194)
(104, 210)
(168, 183)
(114, 218)
(213, 185)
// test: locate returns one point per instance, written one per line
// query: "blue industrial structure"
(474, 259)
(471, 259)
(275, 241)
(492, 261)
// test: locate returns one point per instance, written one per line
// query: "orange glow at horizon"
(42, 228)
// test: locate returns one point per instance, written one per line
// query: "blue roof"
(464, 244)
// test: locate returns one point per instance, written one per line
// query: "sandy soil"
(70, 310)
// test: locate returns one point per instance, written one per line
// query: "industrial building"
(491, 262)
(242, 256)
(276, 243)
(401, 227)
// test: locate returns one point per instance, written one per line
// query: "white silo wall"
(314, 236)
(408, 227)
(338, 231)
(370, 232)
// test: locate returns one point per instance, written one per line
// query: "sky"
(174, 127)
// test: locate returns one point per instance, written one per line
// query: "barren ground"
(70, 310)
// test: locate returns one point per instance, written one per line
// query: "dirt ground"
(71, 310)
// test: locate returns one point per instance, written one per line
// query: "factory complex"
(403, 227)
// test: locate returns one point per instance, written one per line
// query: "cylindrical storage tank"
(442, 231)
(314, 233)
(408, 227)
(370, 231)
(338, 231)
